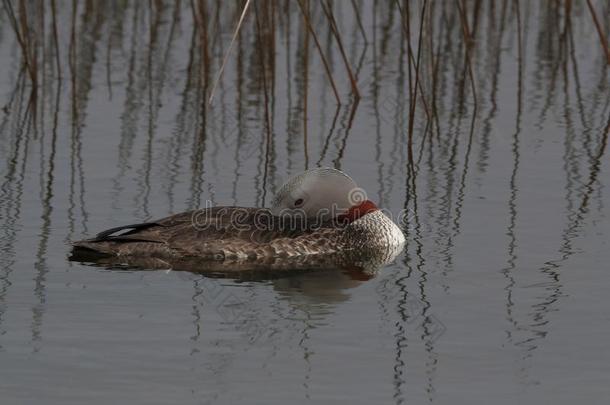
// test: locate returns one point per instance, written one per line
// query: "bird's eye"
(298, 202)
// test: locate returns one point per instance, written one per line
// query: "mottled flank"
(239, 235)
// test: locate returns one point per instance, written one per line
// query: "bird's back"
(218, 233)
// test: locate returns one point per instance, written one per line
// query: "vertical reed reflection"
(421, 92)
(511, 264)
(47, 193)
(12, 188)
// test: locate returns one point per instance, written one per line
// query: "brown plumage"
(314, 220)
(220, 233)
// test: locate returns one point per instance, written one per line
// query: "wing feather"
(218, 233)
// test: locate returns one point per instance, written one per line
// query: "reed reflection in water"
(486, 121)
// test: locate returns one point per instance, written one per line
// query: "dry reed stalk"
(414, 101)
(305, 94)
(468, 40)
(317, 42)
(335, 30)
(21, 40)
(72, 60)
(261, 53)
(563, 38)
(201, 24)
(266, 95)
(43, 55)
(434, 58)
(519, 39)
(406, 26)
(226, 57)
(421, 91)
(30, 48)
(602, 38)
(55, 37)
(520, 69)
(359, 21)
(273, 46)
(406, 30)
(475, 19)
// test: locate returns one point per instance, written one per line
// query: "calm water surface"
(499, 297)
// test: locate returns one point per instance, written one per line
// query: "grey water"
(500, 295)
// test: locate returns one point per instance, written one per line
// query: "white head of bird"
(319, 192)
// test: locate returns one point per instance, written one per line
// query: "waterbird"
(318, 214)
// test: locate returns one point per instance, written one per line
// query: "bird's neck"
(358, 211)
